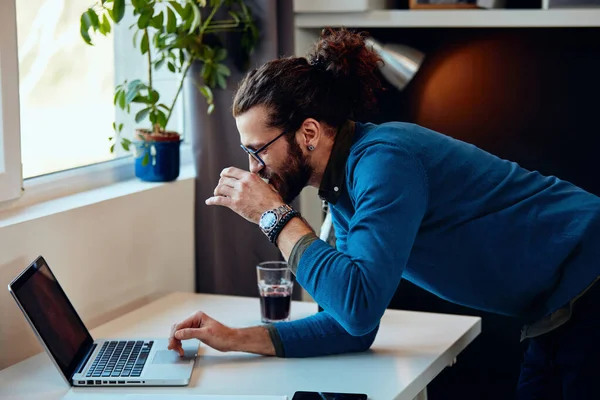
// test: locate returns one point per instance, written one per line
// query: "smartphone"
(328, 396)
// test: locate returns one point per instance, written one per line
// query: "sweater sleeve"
(317, 335)
(388, 187)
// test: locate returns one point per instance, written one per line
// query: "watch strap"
(274, 233)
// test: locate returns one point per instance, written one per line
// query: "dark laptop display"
(53, 316)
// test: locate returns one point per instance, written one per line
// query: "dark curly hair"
(334, 82)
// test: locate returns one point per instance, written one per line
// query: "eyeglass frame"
(254, 153)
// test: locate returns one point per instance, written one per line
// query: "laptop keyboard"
(120, 359)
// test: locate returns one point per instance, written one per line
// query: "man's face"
(286, 167)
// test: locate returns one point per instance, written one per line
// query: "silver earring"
(311, 147)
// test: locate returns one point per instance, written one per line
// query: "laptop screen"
(51, 313)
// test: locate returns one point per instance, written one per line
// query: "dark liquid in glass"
(275, 306)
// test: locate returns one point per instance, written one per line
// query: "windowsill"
(85, 198)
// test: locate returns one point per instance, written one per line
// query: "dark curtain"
(227, 246)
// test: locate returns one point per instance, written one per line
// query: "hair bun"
(352, 64)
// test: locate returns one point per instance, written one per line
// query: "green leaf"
(160, 63)
(206, 92)
(187, 11)
(94, 20)
(125, 143)
(161, 119)
(235, 16)
(157, 21)
(134, 84)
(144, 20)
(111, 138)
(106, 24)
(197, 18)
(221, 54)
(142, 114)
(205, 71)
(112, 148)
(177, 7)
(122, 102)
(155, 40)
(211, 108)
(118, 10)
(135, 34)
(120, 127)
(153, 96)
(171, 21)
(152, 118)
(204, 52)
(116, 98)
(221, 81)
(146, 158)
(222, 69)
(85, 24)
(140, 99)
(131, 95)
(144, 45)
(171, 66)
(164, 106)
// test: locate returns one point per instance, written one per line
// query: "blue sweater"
(451, 218)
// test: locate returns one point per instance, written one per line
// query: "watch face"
(268, 220)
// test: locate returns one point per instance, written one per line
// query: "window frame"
(11, 179)
(67, 182)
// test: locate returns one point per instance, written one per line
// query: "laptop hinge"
(81, 365)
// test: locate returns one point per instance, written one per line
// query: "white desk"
(410, 350)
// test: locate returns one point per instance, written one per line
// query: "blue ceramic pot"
(157, 161)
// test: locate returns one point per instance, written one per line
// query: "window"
(66, 88)
(56, 101)
(10, 156)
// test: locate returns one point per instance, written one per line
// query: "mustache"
(268, 175)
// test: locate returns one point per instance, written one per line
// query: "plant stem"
(185, 71)
(210, 17)
(223, 26)
(232, 29)
(149, 62)
(156, 127)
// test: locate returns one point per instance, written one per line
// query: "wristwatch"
(272, 221)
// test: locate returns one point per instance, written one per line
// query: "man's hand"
(202, 327)
(220, 337)
(245, 193)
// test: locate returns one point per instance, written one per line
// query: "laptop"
(83, 361)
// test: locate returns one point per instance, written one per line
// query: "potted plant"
(175, 35)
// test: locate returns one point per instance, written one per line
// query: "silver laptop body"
(83, 361)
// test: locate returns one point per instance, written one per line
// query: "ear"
(311, 132)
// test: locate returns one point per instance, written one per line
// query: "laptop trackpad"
(170, 357)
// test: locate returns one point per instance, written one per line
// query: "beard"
(293, 176)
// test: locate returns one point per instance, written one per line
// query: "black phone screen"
(328, 396)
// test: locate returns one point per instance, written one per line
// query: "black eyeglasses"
(254, 153)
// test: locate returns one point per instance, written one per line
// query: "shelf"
(559, 18)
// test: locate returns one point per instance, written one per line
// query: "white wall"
(109, 257)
